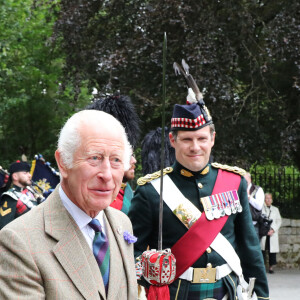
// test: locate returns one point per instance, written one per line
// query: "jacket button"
(200, 185)
(208, 250)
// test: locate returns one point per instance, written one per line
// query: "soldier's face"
(98, 168)
(23, 178)
(192, 148)
(129, 174)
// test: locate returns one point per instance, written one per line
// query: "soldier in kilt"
(206, 216)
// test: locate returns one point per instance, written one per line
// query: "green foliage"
(34, 100)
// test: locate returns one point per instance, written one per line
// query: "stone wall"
(289, 242)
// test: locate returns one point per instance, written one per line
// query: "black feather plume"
(151, 150)
(123, 110)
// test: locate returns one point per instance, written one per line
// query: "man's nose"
(195, 145)
(105, 170)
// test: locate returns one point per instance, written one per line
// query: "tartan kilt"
(201, 291)
(184, 290)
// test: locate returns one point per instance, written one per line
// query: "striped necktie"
(101, 251)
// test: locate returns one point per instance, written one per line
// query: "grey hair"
(69, 138)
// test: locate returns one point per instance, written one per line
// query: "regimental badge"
(219, 205)
(44, 185)
(207, 112)
(187, 215)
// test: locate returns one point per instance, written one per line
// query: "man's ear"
(213, 138)
(60, 164)
(14, 176)
(172, 140)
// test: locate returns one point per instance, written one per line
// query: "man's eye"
(116, 162)
(95, 159)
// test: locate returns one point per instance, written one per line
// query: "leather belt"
(206, 275)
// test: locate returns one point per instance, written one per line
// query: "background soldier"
(123, 199)
(20, 198)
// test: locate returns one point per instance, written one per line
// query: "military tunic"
(238, 229)
(123, 199)
(12, 206)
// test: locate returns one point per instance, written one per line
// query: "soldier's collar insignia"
(186, 173)
(205, 170)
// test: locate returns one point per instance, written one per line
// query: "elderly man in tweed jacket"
(48, 253)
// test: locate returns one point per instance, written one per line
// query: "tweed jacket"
(43, 254)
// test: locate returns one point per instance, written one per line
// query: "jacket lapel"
(115, 257)
(72, 250)
(117, 252)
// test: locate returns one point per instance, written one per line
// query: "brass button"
(208, 250)
(209, 265)
(200, 185)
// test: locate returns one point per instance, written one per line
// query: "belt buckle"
(204, 275)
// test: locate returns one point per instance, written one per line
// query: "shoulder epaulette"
(10, 194)
(150, 177)
(237, 170)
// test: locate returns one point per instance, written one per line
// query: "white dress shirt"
(259, 198)
(81, 218)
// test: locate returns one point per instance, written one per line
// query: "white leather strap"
(188, 274)
(223, 271)
(225, 249)
(173, 198)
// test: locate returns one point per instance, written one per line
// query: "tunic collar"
(188, 173)
(17, 188)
